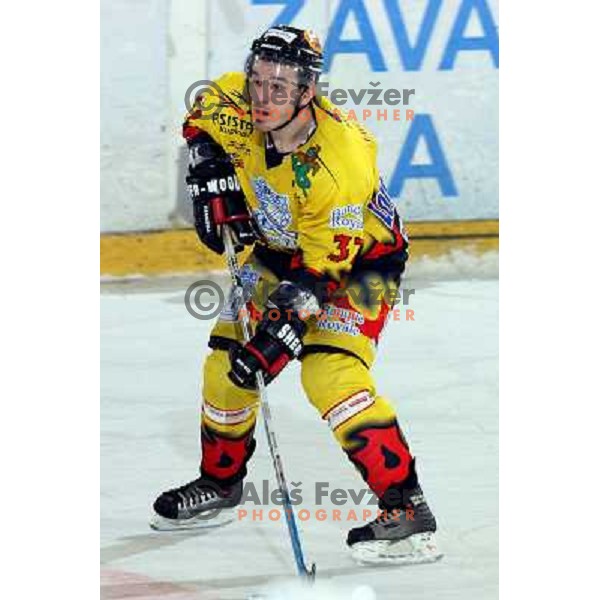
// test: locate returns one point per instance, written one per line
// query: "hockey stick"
(234, 271)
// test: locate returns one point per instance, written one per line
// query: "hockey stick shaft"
(234, 271)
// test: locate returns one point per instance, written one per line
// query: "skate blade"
(202, 521)
(417, 549)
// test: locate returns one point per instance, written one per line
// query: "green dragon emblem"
(305, 164)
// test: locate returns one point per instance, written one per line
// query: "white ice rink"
(440, 371)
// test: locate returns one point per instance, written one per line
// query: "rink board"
(179, 251)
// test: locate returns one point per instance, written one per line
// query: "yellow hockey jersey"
(324, 203)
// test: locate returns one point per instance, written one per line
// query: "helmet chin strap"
(297, 110)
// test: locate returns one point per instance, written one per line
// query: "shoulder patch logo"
(382, 206)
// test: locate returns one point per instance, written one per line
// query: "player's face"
(275, 93)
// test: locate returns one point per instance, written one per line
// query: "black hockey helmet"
(287, 45)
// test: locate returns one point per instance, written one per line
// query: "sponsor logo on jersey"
(232, 125)
(273, 215)
(382, 206)
(340, 320)
(237, 151)
(347, 217)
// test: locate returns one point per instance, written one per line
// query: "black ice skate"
(403, 535)
(198, 504)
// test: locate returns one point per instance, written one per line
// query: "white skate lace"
(194, 497)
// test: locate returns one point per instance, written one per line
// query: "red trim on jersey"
(297, 261)
(191, 131)
(380, 249)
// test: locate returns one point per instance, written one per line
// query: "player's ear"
(310, 91)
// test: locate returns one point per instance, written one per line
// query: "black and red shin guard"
(224, 458)
(381, 455)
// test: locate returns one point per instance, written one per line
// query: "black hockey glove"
(217, 197)
(278, 337)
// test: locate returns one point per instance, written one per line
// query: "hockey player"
(296, 179)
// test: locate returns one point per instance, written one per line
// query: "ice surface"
(317, 590)
(440, 371)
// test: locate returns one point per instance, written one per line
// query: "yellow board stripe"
(179, 251)
(453, 229)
